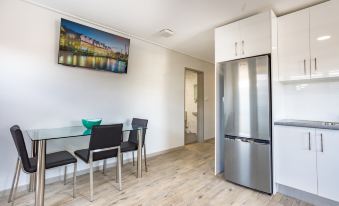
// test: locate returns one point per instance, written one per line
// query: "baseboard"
(86, 171)
(305, 196)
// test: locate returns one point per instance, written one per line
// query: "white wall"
(36, 92)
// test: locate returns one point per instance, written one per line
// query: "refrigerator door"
(247, 98)
(248, 163)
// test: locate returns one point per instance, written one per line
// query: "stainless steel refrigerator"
(247, 123)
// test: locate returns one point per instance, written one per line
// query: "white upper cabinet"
(226, 42)
(328, 163)
(324, 39)
(244, 38)
(308, 43)
(295, 157)
(255, 35)
(293, 46)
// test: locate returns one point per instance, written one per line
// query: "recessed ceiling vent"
(166, 33)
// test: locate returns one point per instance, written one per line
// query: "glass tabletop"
(66, 132)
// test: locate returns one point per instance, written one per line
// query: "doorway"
(194, 106)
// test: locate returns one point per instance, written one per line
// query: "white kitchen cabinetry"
(295, 158)
(244, 38)
(255, 35)
(328, 163)
(226, 42)
(324, 34)
(308, 159)
(308, 43)
(293, 46)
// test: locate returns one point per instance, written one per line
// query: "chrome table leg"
(74, 179)
(119, 165)
(146, 169)
(91, 174)
(40, 174)
(139, 163)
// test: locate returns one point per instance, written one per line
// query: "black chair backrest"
(133, 134)
(20, 146)
(105, 136)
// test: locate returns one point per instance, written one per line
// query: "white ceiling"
(193, 21)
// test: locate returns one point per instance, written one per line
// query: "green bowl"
(89, 123)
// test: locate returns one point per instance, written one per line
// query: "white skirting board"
(305, 196)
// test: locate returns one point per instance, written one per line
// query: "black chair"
(132, 144)
(29, 165)
(104, 143)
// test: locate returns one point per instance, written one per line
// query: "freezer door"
(248, 164)
(247, 108)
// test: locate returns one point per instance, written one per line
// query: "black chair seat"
(128, 146)
(55, 159)
(84, 155)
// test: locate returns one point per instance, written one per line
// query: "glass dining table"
(39, 138)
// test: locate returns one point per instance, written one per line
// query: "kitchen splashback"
(312, 100)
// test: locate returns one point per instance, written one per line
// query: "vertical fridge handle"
(309, 141)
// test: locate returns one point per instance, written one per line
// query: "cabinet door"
(255, 34)
(328, 163)
(295, 157)
(293, 46)
(324, 40)
(227, 42)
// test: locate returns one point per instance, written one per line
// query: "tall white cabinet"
(308, 43)
(307, 159)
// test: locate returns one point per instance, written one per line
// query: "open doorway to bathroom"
(194, 106)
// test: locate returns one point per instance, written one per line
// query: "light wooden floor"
(183, 177)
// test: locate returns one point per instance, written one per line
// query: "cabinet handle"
(305, 66)
(236, 48)
(309, 141)
(321, 143)
(315, 64)
(243, 44)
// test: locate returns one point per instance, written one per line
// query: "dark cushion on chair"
(55, 159)
(84, 155)
(128, 146)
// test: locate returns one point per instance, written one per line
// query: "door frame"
(200, 103)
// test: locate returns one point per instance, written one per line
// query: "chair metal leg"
(65, 175)
(74, 179)
(116, 169)
(122, 158)
(146, 169)
(119, 164)
(91, 175)
(16, 183)
(104, 167)
(14, 178)
(133, 157)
